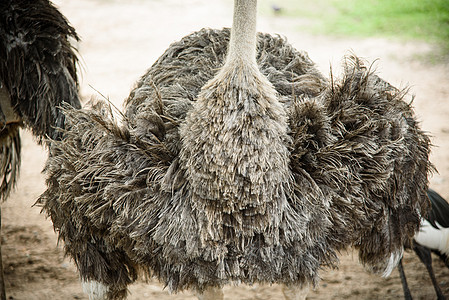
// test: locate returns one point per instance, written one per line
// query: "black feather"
(38, 63)
(440, 210)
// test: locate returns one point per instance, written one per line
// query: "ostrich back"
(358, 162)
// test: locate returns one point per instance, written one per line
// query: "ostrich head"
(234, 141)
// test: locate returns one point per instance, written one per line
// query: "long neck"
(242, 46)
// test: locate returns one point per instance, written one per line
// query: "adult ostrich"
(237, 161)
(37, 75)
(433, 236)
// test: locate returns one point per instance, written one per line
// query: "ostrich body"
(37, 74)
(258, 172)
(433, 236)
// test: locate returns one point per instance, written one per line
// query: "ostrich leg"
(425, 256)
(295, 292)
(407, 294)
(2, 279)
(211, 293)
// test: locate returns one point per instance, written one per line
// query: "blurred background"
(407, 40)
(425, 20)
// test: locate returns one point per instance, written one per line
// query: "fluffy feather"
(121, 196)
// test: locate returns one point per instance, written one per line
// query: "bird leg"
(425, 256)
(2, 279)
(211, 293)
(295, 292)
(407, 294)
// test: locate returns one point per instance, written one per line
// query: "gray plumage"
(199, 193)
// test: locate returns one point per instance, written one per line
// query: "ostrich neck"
(234, 142)
(242, 46)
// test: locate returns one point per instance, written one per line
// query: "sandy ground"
(120, 40)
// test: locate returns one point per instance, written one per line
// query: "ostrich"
(433, 236)
(236, 161)
(37, 74)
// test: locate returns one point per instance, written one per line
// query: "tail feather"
(434, 230)
(439, 212)
(9, 159)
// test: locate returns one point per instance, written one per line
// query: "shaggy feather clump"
(201, 193)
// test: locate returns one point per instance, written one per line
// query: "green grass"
(426, 20)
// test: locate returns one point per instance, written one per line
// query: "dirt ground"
(120, 40)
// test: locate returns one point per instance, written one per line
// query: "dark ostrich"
(433, 236)
(37, 75)
(237, 161)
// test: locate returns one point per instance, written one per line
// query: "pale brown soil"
(120, 40)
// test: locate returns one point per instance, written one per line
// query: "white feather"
(433, 238)
(395, 257)
(95, 290)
